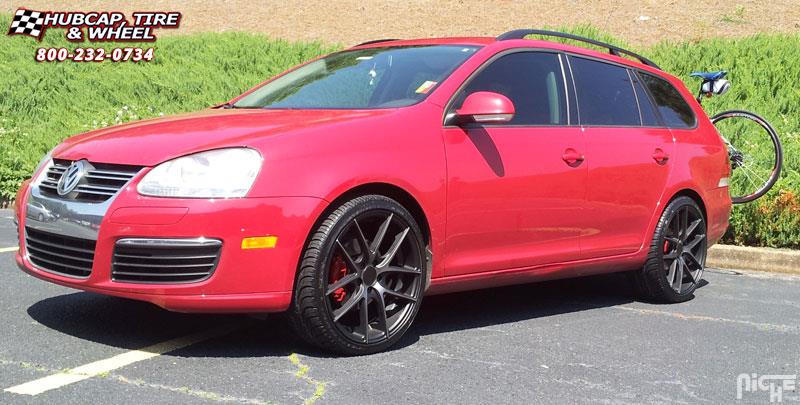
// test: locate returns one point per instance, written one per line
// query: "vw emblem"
(71, 177)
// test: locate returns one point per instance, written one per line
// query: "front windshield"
(362, 79)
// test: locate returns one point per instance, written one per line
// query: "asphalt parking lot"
(571, 341)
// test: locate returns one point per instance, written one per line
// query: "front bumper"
(245, 280)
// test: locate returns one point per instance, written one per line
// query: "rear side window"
(533, 81)
(605, 94)
(674, 110)
(649, 114)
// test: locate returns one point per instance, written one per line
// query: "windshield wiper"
(228, 106)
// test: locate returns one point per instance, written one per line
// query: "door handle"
(572, 157)
(660, 156)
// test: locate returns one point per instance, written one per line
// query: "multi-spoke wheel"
(677, 254)
(754, 151)
(362, 277)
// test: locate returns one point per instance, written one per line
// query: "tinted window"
(605, 94)
(532, 81)
(649, 115)
(364, 78)
(673, 108)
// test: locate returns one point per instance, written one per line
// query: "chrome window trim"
(566, 88)
(635, 95)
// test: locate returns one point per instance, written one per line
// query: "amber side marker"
(259, 242)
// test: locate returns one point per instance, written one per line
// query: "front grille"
(99, 184)
(164, 260)
(60, 254)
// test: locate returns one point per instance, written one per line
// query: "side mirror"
(485, 107)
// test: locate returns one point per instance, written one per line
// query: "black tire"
(770, 138)
(664, 278)
(383, 290)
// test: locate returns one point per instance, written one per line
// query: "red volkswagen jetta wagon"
(347, 188)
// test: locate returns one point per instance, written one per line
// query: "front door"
(515, 191)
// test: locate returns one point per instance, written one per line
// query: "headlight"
(220, 173)
(42, 163)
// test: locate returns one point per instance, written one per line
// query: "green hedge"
(43, 103)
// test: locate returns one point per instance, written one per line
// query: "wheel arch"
(694, 195)
(683, 190)
(397, 193)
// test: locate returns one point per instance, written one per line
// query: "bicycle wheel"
(754, 151)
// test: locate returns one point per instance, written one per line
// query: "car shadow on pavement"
(129, 324)
(119, 322)
(498, 306)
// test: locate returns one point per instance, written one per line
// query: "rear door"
(628, 157)
(512, 199)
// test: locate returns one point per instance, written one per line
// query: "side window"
(605, 94)
(533, 81)
(649, 115)
(674, 110)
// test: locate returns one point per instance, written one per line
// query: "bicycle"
(754, 168)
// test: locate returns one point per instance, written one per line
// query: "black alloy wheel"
(677, 254)
(684, 249)
(362, 277)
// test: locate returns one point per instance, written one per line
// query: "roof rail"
(375, 41)
(614, 50)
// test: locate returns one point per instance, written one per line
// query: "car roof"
(474, 41)
(515, 39)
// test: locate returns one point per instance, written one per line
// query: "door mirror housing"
(485, 107)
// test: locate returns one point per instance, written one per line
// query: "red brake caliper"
(666, 246)
(338, 270)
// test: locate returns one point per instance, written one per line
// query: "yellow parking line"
(770, 327)
(90, 370)
(9, 249)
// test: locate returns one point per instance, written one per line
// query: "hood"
(150, 142)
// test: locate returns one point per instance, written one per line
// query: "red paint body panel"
(245, 280)
(625, 186)
(150, 142)
(512, 200)
(148, 215)
(501, 204)
(483, 102)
